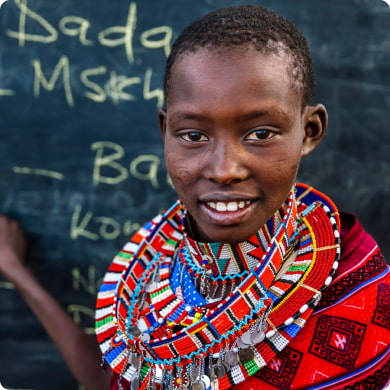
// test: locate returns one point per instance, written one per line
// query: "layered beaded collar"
(150, 335)
(232, 259)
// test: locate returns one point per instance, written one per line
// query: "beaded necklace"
(152, 335)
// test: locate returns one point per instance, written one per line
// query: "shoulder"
(347, 338)
(362, 265)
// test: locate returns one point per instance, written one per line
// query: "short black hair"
(263, 29)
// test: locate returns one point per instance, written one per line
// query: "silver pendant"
(198, 385)
(150, 287)
(231, 358)
(227, 366)
(246, 338)
(257, 337)
(135, 383)
(240, 344)
(220, 371)
(210, 371)
(246, 354)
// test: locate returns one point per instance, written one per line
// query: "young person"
(240, 283)
(250, 280)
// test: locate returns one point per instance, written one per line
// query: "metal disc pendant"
(150, 287)
(210, 371)
(246, 338)
(220, 371)
(227, 366)
(240, 344)
(257, 337)
(135, 384)
(231, 358)
(246, 354)
(198, 385)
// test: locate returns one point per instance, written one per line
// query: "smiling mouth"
(230, 206)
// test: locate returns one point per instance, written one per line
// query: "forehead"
(235, 76)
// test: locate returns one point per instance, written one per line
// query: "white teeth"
(232, 206)
(221, 206)
(228, 206)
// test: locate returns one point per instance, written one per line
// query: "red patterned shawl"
(345, 344)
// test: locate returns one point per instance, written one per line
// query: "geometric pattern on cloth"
(338, 340)
(382, 312)
(378, 380)
(280, 372)
(375, 266)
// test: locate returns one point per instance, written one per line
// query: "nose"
(225, 163)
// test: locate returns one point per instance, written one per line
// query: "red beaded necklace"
(133, 314)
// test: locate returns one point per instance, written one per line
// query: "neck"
(233, 259)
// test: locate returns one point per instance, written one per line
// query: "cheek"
(182, 179)
(180, 174)
(290, 159)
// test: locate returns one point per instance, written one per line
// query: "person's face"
(234, 134)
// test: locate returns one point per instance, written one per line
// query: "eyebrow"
(188, 115)
(180, 115)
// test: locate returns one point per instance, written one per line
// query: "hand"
(12, 248)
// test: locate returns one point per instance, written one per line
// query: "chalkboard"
(81, 160)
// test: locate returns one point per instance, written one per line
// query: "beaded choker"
(155, 333)
(228, 259)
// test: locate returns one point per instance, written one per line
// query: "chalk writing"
(78, 311)
(33, 27)
(6, 92)
(7, 285)
(39, 172)
(89, 283)
(92, 227)
(155, 93)
(61, 67)
(75, 26)
(127, 31)
(115, 87)
(107, 159)
(22, 36)
(80, 28)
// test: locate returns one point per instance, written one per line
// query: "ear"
(315, 125)
(162, 121)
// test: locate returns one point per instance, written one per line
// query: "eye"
(194, 136)
(260, 135)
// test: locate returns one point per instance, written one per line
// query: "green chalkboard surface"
(81, 160)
